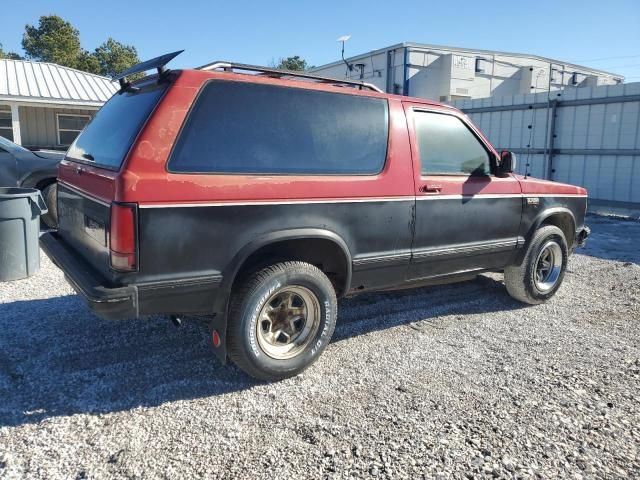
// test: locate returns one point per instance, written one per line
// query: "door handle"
(429, 188)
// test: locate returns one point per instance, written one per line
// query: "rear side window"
(447, 146)
(249, 128)
(108, 137)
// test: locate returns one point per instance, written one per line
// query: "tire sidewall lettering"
(325, 329)
(253, 322)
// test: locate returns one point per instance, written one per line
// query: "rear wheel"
(280, 320)
(542, 270)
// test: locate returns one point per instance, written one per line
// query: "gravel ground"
(440, 382)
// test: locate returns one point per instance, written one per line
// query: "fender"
(535, 224)
(219, 321)
(34, 178)
(548, 213)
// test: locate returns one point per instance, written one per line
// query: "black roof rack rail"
(158, 62)
(274, 72)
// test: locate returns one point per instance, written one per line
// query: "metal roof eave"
(48, 102)
(465, 50)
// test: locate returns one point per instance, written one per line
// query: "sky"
(601, 34)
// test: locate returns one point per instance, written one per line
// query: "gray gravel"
(440, 382)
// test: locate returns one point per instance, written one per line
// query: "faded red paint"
(531, 185)
(143, 177)
(96, 182)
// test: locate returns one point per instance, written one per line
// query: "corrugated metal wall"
(38, 126)
(585, 136)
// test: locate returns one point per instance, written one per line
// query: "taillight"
(123, 238)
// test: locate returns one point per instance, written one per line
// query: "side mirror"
(507, 163)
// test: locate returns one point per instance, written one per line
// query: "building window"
(69, 126)
(6, 127)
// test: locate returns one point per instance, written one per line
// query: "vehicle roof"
(310, 84)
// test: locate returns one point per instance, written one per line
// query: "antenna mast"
(343, 39)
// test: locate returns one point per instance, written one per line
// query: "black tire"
(247, 343)
(521, 280)
(50, 194)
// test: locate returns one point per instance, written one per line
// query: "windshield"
(106, 140)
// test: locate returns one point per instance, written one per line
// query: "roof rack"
(274, 72)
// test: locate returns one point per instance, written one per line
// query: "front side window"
(447, 146)
(248, 128)
(6, 127)
(69, 126)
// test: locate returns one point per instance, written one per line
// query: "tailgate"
(84, 225)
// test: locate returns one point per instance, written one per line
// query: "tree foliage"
(114, 57)
(57, 41)
(87, 62)
(53, 40)
(294, 63)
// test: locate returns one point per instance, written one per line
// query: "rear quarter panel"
(195, 224)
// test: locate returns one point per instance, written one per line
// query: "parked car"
(257, 200)
(20, 167)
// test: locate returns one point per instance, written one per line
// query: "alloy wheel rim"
(548, 266)
(288, 322)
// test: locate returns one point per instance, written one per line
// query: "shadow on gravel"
(613, 239)
(58, 359)
(377, 311)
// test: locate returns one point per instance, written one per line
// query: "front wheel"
(542, 270)
(280, 320)
(50, 194)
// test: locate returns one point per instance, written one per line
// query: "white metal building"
(44, 105)
(449, 73)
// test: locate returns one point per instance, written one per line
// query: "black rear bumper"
(109, 303)
(191, 295)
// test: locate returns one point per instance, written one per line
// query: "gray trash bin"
(20, 210)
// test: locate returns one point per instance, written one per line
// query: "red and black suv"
(255, 198)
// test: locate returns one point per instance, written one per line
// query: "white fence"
(584, 136)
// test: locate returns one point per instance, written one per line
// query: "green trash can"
(20, 210)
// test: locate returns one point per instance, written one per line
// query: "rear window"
(108, 137)
(248, 128)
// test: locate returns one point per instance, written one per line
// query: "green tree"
(294, 63)
(53, 40)
(87, 62)
(114, 57)
(56, 40)
(9, 55)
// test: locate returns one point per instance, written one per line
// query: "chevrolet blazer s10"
(255, 198)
